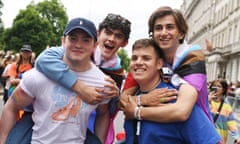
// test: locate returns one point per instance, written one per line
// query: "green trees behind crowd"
(39, 25)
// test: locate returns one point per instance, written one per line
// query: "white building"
(219, 22)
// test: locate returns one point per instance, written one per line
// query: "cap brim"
(82, 28)
(23, 49)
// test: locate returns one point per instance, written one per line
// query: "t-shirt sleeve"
(50, 63)
(29, 83)
(129, 82)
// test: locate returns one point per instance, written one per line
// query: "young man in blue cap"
(60, 115)
(113, 33)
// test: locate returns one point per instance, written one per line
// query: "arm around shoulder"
(50, 63)
(179, 111)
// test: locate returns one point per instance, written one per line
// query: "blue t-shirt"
(196, 130)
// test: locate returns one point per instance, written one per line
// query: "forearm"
(102, 122)
(171, 113)
(7, 121)
(78, 86)
(179, 111)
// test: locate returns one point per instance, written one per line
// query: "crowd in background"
(6, 60)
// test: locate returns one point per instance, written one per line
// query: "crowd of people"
(72, 93)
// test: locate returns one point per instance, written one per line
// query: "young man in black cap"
(60, 115)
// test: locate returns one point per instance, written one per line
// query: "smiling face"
(166, 33)
(145, 65)
(79, 46)
(110, 40)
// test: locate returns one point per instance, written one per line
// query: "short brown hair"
(164, 11)
(145, 42)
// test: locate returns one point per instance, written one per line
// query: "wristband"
(135, 114)
(139, 114)
(138, 100)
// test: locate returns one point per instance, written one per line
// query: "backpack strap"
(219, 110)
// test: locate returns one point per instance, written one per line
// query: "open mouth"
(108, 47)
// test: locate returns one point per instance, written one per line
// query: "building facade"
(219, 22)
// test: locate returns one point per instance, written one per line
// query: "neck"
(150, 85)
(169, 58)
(78, 66)
(25, 61)
(170, 53)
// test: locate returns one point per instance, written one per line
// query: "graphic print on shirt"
(68, 104)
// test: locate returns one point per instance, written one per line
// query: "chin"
(138, 78)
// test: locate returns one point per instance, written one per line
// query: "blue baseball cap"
(81, 23)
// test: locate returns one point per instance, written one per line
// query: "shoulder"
(33, 75)
(98, 71)
(192, 62)
(193, 54)
(93, 77)
(13, 65)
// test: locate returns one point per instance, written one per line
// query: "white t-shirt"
(60, 117)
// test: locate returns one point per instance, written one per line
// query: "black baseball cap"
(26, 48)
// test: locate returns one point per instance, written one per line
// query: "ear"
(98, 33)
(95, 45)
(181, 36)
(160, 63)
(63, 40)
(124, 43)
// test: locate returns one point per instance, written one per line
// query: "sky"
(137, 11)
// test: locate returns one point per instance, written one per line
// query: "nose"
(111, 37)
(139, 61)
(78, 44)
(164, 31)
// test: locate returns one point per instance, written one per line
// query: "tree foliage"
(1, 5)
(39, 25)
(54, 12)
(28, 28)
(122, 53)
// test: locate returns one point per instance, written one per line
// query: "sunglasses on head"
(118, 17)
